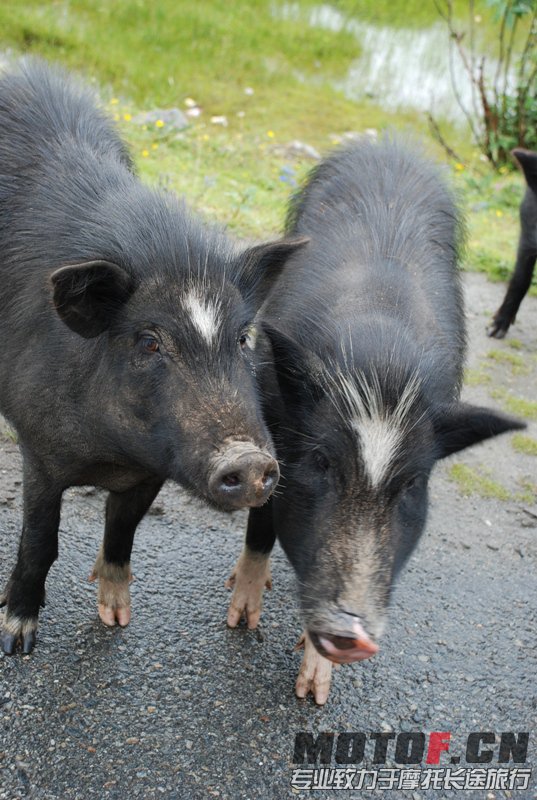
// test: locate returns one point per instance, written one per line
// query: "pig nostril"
(231, 480)
(242, 479)
(269, 477)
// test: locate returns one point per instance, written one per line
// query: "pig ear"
(299, 371)
(460, 426)
(528, 161)
(261, 265)
(87, 296)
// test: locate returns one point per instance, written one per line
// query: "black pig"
(527, 249)
(128, 339)
(367, 331)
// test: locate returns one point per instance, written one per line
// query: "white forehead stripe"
(379, 443)
(204, 315)
(380, 431)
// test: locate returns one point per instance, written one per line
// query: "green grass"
(148, 55)
(480, 482)
(7, 432)
(477, 377)
(515, 405)
(477, 482)
(492, 201)
(156, 54)
(528, 493)
(524, 444)
(417, 14)
(152, 51)
(518, 364)
(514, 344)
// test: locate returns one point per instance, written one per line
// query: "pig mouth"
(344, 649)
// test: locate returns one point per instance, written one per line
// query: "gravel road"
(178, 706)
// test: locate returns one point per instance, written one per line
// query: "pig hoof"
(114, 602)
(16, 630)
(248, 580)
(315, 672)
(500, 325)
(9, 642)
(497, 331)
(28, 642)
(109, 615)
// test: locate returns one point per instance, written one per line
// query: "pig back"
(382, 268)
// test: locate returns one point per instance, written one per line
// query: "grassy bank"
(268, 79)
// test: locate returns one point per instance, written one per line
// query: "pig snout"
(354, 645)
(243, 476)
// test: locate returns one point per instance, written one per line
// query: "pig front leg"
(518, 286)
(38, 549)
(251, 574)
(315, 672)
(124, 510)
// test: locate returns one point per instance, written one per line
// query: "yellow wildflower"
(145, 153)
(127, 117)
(159, 123)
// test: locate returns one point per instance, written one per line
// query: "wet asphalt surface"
(178, 706)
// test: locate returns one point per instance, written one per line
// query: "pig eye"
(412, 485)
(247, 338)
(149, 344)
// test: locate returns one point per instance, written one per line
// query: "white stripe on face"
(204, 315)
(379, 442)
(380, 431)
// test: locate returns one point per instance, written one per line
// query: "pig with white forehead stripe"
(128, 330)
(365, 327)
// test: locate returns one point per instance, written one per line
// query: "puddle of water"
(398, 67)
